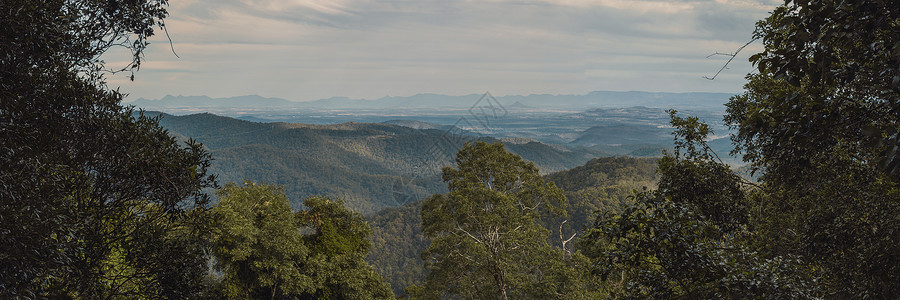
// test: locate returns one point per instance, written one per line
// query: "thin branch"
(708, 148)
(720, 53)
(566, 240)
(469, 234)
(732, 55)
(171, 45)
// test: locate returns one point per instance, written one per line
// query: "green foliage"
(688, 238)
(257, 243)
(370, 166)
(658, 248)
(486, 241)
(838, 52)
(825, 65)
(710, 186)
(692, 175)
(397, 245)
(267, 251)
(72, 35)
(603, 184)
(828, 197)
(338, 245)
(95, 201)
(820, 122)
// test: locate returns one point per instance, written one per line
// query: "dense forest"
(601, 184)
(99, 202)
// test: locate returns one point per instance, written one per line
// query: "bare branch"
(732, 55)
(171, 45)
(469, 234)
(566, 240)
(720, 53)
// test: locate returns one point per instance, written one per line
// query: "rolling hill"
(372, 166)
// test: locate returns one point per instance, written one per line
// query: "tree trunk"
(501, 284)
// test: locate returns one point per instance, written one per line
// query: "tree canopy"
(820, 123)
(486, 239)
(95, 202)
(267, 251)
(100, 202)
(339, 244)
(257, 244)
(687, 239)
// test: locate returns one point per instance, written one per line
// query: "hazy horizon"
(133, 99)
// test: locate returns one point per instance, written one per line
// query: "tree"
(95, 202)
(338, 246)
(820, 121)
(266, 251)
(257, 244)
(486, 241)
(602, 184)
(686, 240)
(658, 248)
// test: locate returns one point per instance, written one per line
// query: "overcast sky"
(311, 49)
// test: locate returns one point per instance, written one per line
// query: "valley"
(377, 158)
(383, 162)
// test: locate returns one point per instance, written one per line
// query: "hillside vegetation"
(371, 166)
(100, 202)
(599, 185)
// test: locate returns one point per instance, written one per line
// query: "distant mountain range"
(693, 100)
(204, 101)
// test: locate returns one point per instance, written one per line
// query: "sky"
(310, 49)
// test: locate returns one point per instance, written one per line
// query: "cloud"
(309, 49)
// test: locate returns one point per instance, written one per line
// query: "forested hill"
(602, 184)
(372, 166)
